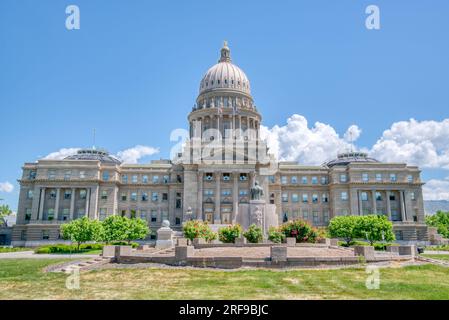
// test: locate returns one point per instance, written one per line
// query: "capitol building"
(211, 177)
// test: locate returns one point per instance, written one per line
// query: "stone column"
(72, 203)
(217, 217)
(374, 205)
(235, 196)
(86, 213)
(401, 200)
(388, 205)
(360, 202)
(58, 198)
(40, 213)
(199, 213)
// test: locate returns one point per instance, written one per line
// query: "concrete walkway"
(32, 255)
(435, 252)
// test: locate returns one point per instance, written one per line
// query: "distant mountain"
(432, 206)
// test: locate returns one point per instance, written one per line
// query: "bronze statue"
(256, 191)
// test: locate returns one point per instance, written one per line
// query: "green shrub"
(443, 247)
(65, 248)
(299, 229)
(343, 227)
(124, 243)
(276, 236)
(230, 233)
(198, 229)
(440, 220)
(254, 234)
(82, 230)
(374, 228)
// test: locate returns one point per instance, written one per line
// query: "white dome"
(225, 75)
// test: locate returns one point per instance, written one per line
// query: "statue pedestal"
(164, 236)
(257, 212)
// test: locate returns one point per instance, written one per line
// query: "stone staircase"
(82, 265)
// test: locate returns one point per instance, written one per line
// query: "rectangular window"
(178, 203)
(178, 178)
(324, 198)
(392, 197)
(208, 192)
(154, 196)
(226, 177)
(226, 192)
(243, 177)
(83, 194)
(50, 214)
(294, 179)
(305, 214)
(153, 215)
(133, 196)
(271, 179)
(143, 214)
(378, 196)
(164, 196)
(314, 180)
(410, 178)
(315, 198)
(45, 235)
(378, 177)
(67, 194)
(103, 213)
(67, 174)
(82, 174)
(344, 196)
(53, 194)
(32, 175)
(144, 179)
(144, 196)
(134, 179)
(343, 178)
(393, 177)
(124, 178)
(155, 179)
(323, 180)
(210, 176)
(166, 179)
(365, 177)
(326, 216)
(51, 174)
(295, 197)
(243, 193)
(105, 175)
(364, 196)
(316, 218)
(27, 214)
(412, 196)
(30, 194)
(285, 197)
(104, 195)
(304, 180)
(124, 196)
(284, 179)
(65, 214)
(305, 198)
(164, 215)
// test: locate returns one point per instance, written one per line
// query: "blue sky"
(134, 64)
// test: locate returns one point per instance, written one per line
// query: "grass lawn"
(437, 256)
(15, 249)
(24, 279)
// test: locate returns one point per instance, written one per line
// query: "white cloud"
(436, 190)
(6, 187)
(353, 133)
(297, 142)
(61, 154)
(133, 155)
(422, 143)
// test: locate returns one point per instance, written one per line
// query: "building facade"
(211, 176)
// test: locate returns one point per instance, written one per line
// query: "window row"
(304, 179)
(315, 216)
(146, 178)
(305, 197)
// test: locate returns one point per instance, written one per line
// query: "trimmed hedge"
(71, 248)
